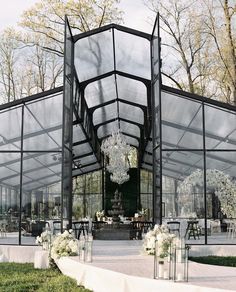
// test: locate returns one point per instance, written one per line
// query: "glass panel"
(130, 129)
(39, 168)
(81, 149)
(145, 182)
(183, 193)
(41, 192)
(100, 91)
(125, 127)
(220, 128)
(221, 200)
(10, 129)
(107, 129)
(126, 109)
(147, 158)
(146, 166)
(132, 90)
(87, 160)
(105, 113)
(178, 162)
(9, 197)
(94, 55)
(131, 141)
(87, 196)
(132, 54)
(78, 134)
(91, 168)
(43, 124)
(40, 208)
(181, 122)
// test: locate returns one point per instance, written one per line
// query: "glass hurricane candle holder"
(82, 250)
(89, 249)
(181, 264)
(162, 265)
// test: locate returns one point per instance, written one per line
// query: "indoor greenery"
(16, 277)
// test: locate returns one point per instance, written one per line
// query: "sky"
(136, 14)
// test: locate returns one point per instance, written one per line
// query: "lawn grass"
(23, 278)
(215, 260)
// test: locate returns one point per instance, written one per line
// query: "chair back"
(147, 225)
(37, 227)
(56, 225)
(174, 226)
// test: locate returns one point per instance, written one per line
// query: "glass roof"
(110, 50)
(114, 92)
(114, 72)
(183, 139)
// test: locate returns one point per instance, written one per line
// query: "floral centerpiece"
(64, 244)
(143, 212)
(164, 240)
(100, 214)
(44, 239)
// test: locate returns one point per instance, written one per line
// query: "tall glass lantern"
(180, 271)
(163, 266)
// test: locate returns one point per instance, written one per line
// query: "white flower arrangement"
(161, 234)
(143, 212)
(100, 214)
(44, 239)
(64, 244)
(216, 180)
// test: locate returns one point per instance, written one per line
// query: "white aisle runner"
(118, 266)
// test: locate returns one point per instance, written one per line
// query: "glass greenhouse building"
(52, 170)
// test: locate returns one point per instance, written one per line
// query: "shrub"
(216, 260)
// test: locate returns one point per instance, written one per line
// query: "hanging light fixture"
(116, 149)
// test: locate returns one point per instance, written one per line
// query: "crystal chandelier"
(116, 149)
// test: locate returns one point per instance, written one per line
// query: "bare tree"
(220, 25)
(32, 62)
(46, 18)
(183, 42)
(26, 70)
(8, 57)
(199, 46)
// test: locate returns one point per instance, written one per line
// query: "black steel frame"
(22, 104)
(83, 118)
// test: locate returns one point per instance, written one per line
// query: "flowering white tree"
(217, 181)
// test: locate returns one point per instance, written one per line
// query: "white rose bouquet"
(100, 214)
(44, 239)
(161, 234)
(64, 244)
